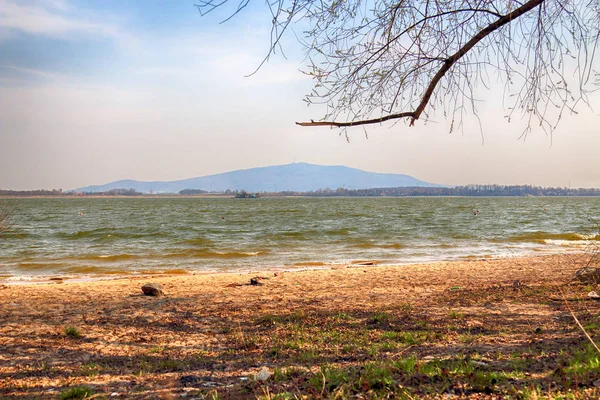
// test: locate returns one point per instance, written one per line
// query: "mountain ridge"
(297, 177)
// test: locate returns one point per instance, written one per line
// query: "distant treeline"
(193, 191)
(53, 192)
(59, 192)
(469, 190)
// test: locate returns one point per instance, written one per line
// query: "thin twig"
(577, 321)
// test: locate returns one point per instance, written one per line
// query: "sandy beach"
(210, 334)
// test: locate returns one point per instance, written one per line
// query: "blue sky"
(96, 91)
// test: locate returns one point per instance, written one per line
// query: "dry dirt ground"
(472, 329)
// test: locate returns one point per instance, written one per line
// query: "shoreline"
(82, 278)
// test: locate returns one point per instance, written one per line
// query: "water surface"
(96, 236)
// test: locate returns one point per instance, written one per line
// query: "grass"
(90, 369)
(76, 393)
(379, 318)
(455, 315)
(382, 354)
(379, 341)
(583, 365)
(72, 332)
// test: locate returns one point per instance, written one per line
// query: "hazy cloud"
(56, 19)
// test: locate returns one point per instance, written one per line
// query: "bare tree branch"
(448, 63)
(378, 60)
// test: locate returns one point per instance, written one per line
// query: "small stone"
(153, 289)
(262, 375)
(256, 281)
(593, 295)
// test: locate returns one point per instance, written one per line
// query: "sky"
(97, 91)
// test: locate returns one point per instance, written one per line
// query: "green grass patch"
(329, 379)
(456, 315)
(379, 318)
(76, 393)
(584, 365)
(90, 369)
(72, 332)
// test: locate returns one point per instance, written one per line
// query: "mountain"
(298, 177)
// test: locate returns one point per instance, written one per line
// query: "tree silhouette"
(374, 61)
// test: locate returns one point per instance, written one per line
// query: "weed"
(529, 393)
(376, 376)
(308, 356)
(390, 335)
(329, 379)
(379, 318)
(466, 338)
(275, 351)
(76, 393)
(278, 375)
(156, 349)
(412, 338)
(348, 349)
(584, 364)
(387, 347)
(282, 396)
(90, 369)
(72, 332)
(455, 315)
(297, 315)
(341, 316)
(170, 365)
(268, 320)
(407, 365)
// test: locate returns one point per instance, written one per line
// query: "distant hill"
(297, 177)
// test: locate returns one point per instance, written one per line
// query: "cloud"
(55, 19)
(35, 72)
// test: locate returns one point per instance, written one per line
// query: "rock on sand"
(153, 289)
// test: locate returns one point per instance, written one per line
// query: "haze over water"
(145, 235)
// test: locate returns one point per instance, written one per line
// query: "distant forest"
(469, 190)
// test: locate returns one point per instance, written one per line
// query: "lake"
(84, 237)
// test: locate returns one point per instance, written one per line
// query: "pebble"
(262, 375)
(153, 289)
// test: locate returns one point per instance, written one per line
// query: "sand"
(211, 333)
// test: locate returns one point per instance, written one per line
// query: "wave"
(541, 237)
(107, 234)
(104, 257)
(340, 231)
(205, 253)
(33, 266)
(95, 270)
(176, 271)
(369, 245)
(293, 235)
(200, 241)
